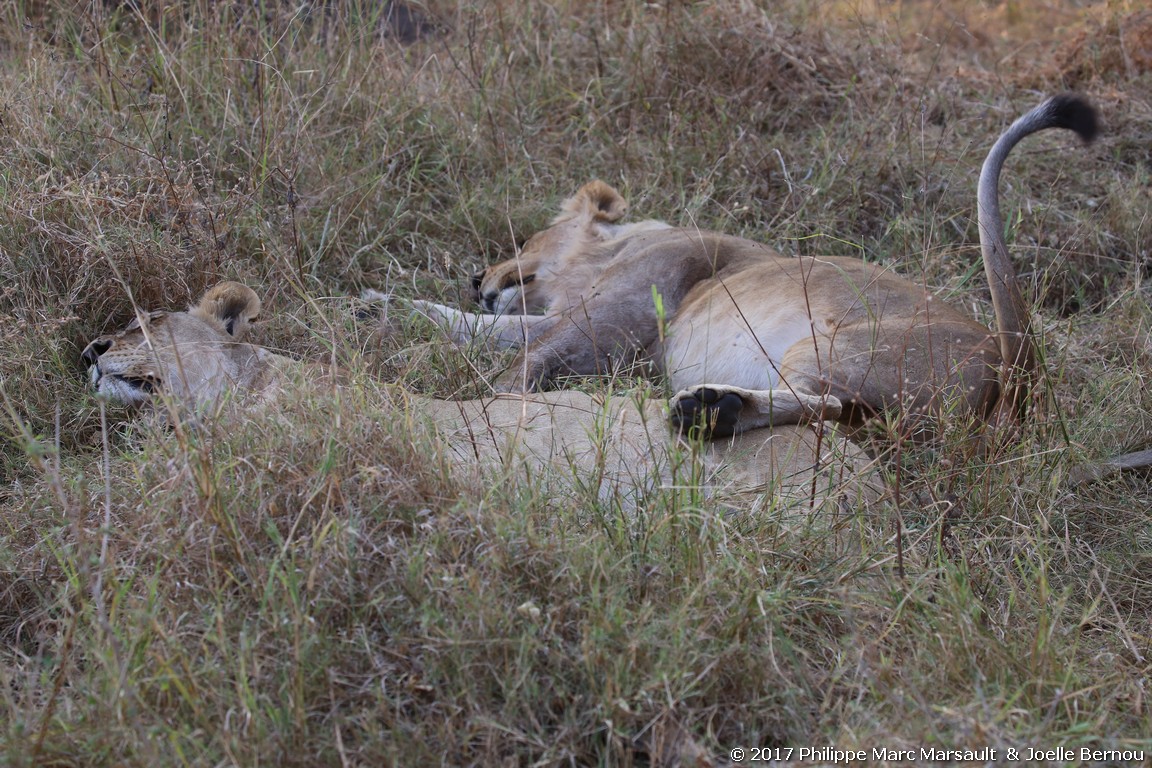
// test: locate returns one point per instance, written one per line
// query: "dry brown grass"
(311, 589)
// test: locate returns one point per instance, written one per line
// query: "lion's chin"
(122, 390)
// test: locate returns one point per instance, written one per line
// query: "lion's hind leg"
(718, 410)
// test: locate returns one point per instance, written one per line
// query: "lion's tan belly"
(712, 339)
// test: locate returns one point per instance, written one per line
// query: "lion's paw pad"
(707, 412)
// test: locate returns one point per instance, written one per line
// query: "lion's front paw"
(437, 313)
(373, 296)
(706, 412)
(830, 408)
(513, 381)
(374, 305)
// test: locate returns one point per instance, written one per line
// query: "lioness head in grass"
(194, 356)
(520, 285)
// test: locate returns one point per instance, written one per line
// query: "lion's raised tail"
(1013, 323)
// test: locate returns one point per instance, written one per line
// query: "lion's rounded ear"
(599, 201)
(233, 305)
(607, 204)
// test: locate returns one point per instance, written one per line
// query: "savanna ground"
(326, 594)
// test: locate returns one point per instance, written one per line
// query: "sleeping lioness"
(748, 337)
(199, 359)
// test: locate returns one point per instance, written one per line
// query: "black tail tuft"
(1076, 113)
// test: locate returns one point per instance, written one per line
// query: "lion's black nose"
(93, 351)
